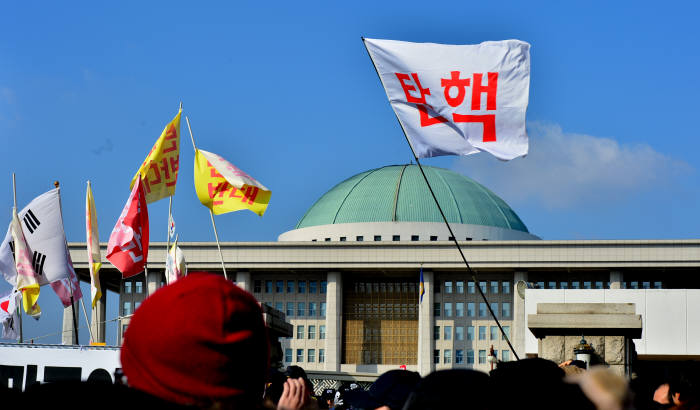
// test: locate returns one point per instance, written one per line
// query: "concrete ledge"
(542, 325)
(586, 308)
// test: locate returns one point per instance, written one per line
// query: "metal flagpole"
(167, 249)
(70, 286)
(19, 309)
(216, 234)
(449, 228)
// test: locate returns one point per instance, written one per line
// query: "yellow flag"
(223, 188)
(93, 246)
(159, 169)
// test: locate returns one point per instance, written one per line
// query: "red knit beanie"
(197, 341)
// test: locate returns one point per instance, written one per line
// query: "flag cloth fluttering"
(159, 170)
(26, 278)
(421, 286)
(171, 226)
(8, 314)
(222, 187)
(93, 246)
(457, 99)
(127, 249)
(175, 266)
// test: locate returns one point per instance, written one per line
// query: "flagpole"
(216, 234)
(14, 199)
(167, 249)
(444, 218)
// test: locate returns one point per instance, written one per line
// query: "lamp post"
(583, 351)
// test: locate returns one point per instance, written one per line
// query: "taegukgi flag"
(457, 99)
(222, 187)
(26, 279)
(8, 314)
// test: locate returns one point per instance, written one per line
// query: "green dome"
(398, 193)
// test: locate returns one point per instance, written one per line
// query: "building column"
(97, 318)
(426, 322)
(69, 337)
(153, 280)
(243, 281)
(334, 321)
(615, 279)
(518, 334)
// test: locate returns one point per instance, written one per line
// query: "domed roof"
(398, 193)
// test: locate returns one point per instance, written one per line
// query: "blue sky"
(286, 92)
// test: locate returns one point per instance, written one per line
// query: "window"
(482, 332)
(448, 309)
(278, 306)
(587, 285)
(290, 286)
(447, 357)
(657, 285)
(482, 356)
(414, 238)
(359, 238)
(448, 287)
(300, 331)
(290, 309)
(257, 286)
(482, 309)
(599, 284)
(470, 287)
(312, 332)
(459, 356)
(494, 287)
(634, 285)
(482, 285)
(436, 309)
(343, 238)
(433, 237)
(451, 238)
(136, 305)
(300, 355)
(494, 332)
(127, 287)
(468, 238)
(505, 355)
(322, 332)
(396, 238)
(563, 285)
(436, 356)
(436, 332)
(459, 333)
(312, 309)
(377, 238)
(551, 285)
(323, 309)
(313, 286)
(321, 355)
(506, 310)
(470, 356)
(506, 330)
(279, 286)
(539, 285)
(139, 286)
(301, 285)
(470, 332)
(300, 309)
(324, 286)
(126, 309)
(287, 355)
(448, 332)
(311, 355)
(494, 307)
(470, 309)
(268, 286)
(459, 309)
(506, 287)
(460, 286)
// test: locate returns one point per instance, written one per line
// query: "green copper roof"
(398, 193)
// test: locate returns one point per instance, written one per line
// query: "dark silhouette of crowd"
(201, 343)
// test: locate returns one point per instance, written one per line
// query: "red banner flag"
(128, 243)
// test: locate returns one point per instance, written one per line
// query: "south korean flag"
(42, 224)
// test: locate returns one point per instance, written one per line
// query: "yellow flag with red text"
(159, 170)
(222, 187)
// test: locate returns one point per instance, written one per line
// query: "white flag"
(42, 225)
(457, 99)
(8, 314)
(175, 266)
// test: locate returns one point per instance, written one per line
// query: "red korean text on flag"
(128, 244)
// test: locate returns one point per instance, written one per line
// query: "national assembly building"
(347, 279)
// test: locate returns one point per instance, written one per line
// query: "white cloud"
(565, 169)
